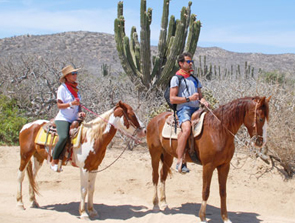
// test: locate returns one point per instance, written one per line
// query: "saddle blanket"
(43, 138)
(76, 141)
(42, 135)
(169, 132)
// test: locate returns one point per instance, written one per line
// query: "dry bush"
(280, 149)
(34, 82)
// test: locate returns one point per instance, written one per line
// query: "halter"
(120, 130)
(255, 134)
(136, 129)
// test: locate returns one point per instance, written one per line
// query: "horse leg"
(84, 175)
(167, 163)
(222, 178)
(207, 176)
(91, 185)
(19, 198)
(155, 158)
(24, 159)
(37, 162)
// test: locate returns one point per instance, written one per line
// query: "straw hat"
(67, 70)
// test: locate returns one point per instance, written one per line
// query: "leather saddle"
(48, 137)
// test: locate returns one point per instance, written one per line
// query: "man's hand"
(195, 97)
(204, 102)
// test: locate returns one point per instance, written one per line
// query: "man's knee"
(186, 127)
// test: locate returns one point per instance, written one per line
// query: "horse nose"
(142, 132)
(259, 142)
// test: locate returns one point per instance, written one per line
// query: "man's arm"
(174, 99)
(202, 100)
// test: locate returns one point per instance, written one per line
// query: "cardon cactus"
(176, 37)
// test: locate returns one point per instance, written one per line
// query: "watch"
(187, 99)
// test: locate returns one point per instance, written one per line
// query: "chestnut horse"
(214, 146)
(96, 135)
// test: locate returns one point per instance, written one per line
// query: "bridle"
(255, 136)
(136, 129)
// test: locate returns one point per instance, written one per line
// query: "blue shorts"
(185, 114)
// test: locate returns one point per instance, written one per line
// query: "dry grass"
(36, 81)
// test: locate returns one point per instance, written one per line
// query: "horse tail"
(32, 178)
(165, 164)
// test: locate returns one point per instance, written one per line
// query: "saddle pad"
(169, 132)
(76, 141)
(41, 138)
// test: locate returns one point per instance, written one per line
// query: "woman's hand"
(76, 102)
(81, 114)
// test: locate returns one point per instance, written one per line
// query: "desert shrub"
(273, 77)
(11, 121)
(35, 91)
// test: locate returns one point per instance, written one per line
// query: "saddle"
(48, 137)
(168, 131)
(197, 124)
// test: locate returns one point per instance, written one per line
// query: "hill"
(94, 49)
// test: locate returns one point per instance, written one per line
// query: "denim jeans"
(185, 114)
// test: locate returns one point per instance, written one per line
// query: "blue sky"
(256, 26)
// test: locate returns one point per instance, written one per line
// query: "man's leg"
(181, 142)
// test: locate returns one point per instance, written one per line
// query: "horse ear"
(268, 99)
(261, 102)
(119, 103)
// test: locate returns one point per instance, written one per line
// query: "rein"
(255, 136)
(121, 131)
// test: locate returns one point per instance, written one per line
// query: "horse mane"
(95, 128)
(230, 113)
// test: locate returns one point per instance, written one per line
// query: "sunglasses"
(189, 61)
(74, 73)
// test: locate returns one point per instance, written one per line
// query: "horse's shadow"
(125, 212)
(213, 213)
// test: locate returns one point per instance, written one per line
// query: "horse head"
(256, 120)
(129, 120)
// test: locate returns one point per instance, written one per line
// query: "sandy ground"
(124, 193)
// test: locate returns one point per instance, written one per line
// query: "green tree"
(11, 121)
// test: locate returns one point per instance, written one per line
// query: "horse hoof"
(35, 204)
(93, 214)
(156, 208)
(20, 207)
(84, 217)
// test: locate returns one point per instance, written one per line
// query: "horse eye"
(261, 119)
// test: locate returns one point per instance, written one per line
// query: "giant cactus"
(135, 56)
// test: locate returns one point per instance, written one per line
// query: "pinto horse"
(214, 146)
(96, 135)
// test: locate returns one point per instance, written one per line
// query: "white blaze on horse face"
(28, 125)
(140, 123)
(130, 130)
(118, 123)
